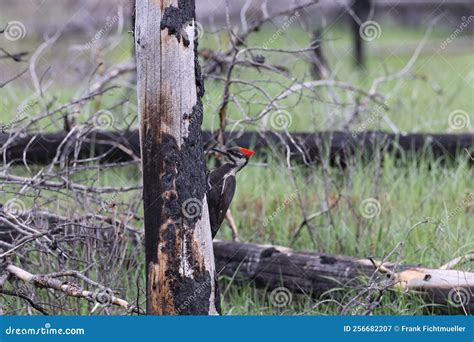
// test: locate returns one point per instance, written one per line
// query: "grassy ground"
(441, 80)
(414, 191)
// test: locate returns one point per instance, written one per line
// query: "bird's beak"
(220, 151)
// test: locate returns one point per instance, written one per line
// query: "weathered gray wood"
(68, 288)
(178, 244)
(270, 267)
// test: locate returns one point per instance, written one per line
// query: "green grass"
(407, 195)
(416, 191)
(440, 82)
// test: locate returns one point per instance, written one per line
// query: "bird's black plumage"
(221, 187)
(220, 195)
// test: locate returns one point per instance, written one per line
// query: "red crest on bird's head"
(246, 152)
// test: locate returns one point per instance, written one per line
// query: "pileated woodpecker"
(221, 184)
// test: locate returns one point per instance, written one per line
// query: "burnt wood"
(180, 267)
(311, 273)
(123, 146)
(270, 267)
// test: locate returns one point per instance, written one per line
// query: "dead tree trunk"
(361, 9)
(319, 64)
(179, 254)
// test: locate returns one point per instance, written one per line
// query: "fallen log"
(120, 146)
(272, 267)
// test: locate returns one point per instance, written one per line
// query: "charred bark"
(309, 273)
(125, 146)
(360, 10)
(271, 267)
(178, 244)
